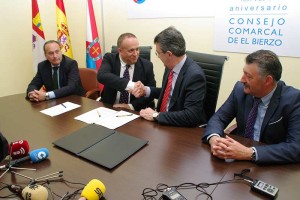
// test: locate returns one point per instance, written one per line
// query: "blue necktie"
(249, 131)
(124, 94)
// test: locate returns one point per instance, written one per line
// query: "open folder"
(101, 145)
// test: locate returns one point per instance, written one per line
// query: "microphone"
(34, 156)
(35, 192)
(19, 149)
(94, 190)
(4, 146)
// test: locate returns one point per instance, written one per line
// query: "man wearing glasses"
(181, 98)
(121, 72)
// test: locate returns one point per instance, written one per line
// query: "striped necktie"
(249, 131)
(163, 107)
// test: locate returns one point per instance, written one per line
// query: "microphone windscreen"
(35, 192)
(39, 155)
(94, 190)
(19, 149)
(3, 147)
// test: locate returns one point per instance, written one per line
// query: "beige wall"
(16, 57)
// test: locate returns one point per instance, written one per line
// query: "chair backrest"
(89, 82)
(212, 66)
(145, 51)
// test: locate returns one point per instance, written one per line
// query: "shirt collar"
(266, 99)
(123, 64)
(178, 67)
(54, 65)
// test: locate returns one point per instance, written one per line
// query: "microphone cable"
(68, 195)
(15, 189)
(151, 194)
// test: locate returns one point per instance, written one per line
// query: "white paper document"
(106, 117)
(60, 108)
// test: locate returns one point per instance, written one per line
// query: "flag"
(63, 35)
(38, 38)
(93, 48)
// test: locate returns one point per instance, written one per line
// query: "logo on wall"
(139, 1)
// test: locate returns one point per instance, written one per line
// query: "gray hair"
(49, 42)
(172, 40)
(268, 63)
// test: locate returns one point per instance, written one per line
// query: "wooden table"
(173, 156)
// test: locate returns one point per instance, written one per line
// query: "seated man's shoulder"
(290, 93)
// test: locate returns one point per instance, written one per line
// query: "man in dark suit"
(276, 121)
(58, 76)
(118, 85)
(181, 98)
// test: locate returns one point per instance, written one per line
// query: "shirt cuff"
(131, 107)
(130, 86)
(213, 134)
(147, 91)
(51, 95)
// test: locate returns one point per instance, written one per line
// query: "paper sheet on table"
(107, 117)
(60, 108)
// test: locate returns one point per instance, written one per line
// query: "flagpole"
(102, 20)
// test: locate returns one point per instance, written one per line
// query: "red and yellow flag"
(63, 34)
(38, 38)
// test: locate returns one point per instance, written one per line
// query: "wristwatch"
(253, 156)
(155, 115)
(47, 96)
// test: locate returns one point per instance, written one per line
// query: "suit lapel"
(164, 84)
(177, 85)
(137, 71)
(274, 103)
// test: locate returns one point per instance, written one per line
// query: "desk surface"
(173, 156)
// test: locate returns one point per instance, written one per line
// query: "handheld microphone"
(34, 156)
(35, 192)
(3, 147)
(19, 149)
(94, 190)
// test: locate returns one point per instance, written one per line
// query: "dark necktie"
(249, 131)
(54, 78)
(124, 94)
(163, 107)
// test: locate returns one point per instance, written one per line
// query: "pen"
(124, 115)
(63, 105)
(98, 113)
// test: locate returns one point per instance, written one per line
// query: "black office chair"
(145, 51)
(212, 66)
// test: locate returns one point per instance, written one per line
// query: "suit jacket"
(3, 147)
(109, 76)
(186, 104)
(280, 128)
(69, 78)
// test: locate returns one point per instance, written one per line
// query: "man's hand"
(139, 89)
(122, 105)
(37, 95)
(147, 114)
(228, 148)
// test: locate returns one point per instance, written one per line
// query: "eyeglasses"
(157, 53)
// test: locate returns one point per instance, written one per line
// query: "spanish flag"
(63, 34)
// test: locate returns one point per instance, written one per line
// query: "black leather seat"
(212, 66)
